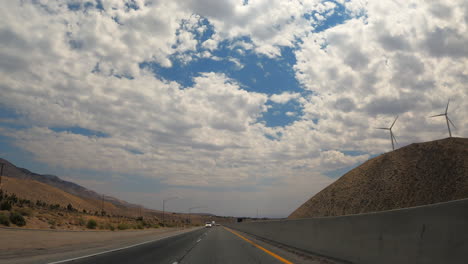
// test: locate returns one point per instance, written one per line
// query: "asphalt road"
(211, 245)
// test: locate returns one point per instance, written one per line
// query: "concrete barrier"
(435, 233)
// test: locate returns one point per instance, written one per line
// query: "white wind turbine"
(392, 137)
(447, 119)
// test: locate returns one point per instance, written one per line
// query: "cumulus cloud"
(268, 24)
(284, 97)
(381, 65)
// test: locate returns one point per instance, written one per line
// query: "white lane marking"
(175, 262)
(198, 240)
(112, 250)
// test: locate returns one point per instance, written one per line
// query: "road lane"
(222, 246)
(168, 250)
(203, 246)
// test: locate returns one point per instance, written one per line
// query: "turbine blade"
(451, 122)
(394, 138)
(394, 122)
(382, 128)
(446, 109)
(437, 115)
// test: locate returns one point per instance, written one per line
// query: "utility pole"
(1, 174)
(257, 213)
(102, 205)
(164, 208)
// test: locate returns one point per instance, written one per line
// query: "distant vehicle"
(208, 224)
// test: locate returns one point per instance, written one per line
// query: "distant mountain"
(12, 171)
(204, 214)
(418, 174)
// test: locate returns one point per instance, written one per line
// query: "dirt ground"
(40, 246)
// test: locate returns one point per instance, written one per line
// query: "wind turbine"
(447, 118)
(392, 137)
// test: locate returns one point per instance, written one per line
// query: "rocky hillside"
(418, 174)
(12, 171)
(38, 191)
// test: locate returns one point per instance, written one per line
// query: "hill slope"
(34, 190)
(12, 171)
(418, 174)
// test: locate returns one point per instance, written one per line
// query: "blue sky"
(231, 105)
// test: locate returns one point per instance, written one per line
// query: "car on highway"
(207, 224)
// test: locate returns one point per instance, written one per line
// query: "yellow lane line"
(260, 247)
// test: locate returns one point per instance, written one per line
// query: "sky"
(229, 105)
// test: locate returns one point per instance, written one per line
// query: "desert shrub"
(108, 226)
(26, 201)
(4, 220)
(17, 219)
(91, 224)
(40, 203)
(54, 206)
(5, 205)
(123, 226)
(70, 207)
(13, 198)
(140, 226)
(140, 218)
(25, 211)
(81, 221)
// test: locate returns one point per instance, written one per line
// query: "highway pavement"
(208, 246)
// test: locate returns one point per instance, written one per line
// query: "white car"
(207, 224)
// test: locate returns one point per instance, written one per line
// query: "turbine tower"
(447, 119)
(392, 137)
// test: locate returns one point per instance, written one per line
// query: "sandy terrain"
(418, 174)
(43, 246)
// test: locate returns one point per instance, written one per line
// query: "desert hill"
(418, 174)
(12, 171)
(44, 202)
(34, 191)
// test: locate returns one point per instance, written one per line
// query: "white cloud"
(382, 65)
(237, 63)
(268, 24)
(284, 97)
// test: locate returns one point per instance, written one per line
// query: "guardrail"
(436, 233)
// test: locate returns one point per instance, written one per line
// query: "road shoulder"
(48, 246)
(291, 254)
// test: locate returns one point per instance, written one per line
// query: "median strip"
(259, 247)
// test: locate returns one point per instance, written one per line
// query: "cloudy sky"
(227, 104)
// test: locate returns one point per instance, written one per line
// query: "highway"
(202, 246)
